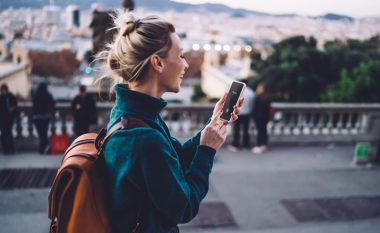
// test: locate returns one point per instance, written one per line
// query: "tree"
(359, 85)
(298, 71)
(61, 64)
(348, 55)
(197, 93)
(294, 71)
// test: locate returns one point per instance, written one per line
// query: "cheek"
(176, 68)
(181, 68)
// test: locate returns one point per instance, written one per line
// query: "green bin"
(362, 152)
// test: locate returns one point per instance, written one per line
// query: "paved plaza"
(253, 188)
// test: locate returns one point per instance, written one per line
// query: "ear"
(156, 63)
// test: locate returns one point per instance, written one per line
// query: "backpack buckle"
(124, 122)
(99, 139)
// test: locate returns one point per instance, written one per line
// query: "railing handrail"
(328, 106)
(371, 106)
(293, 122)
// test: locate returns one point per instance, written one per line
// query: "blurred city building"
(217, 51)
(52, 14)
(27, 61)
(17, 78)
(3, 50)
(72, 17)
(222, 65)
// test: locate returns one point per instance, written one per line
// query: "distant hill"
(155, 5)
(332, 16)
(150, 4)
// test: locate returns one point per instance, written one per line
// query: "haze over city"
(354, 8)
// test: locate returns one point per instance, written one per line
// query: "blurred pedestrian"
(8, 108)
(84, 110)
(241, 125)
(102, 27)
(43, 111)
(261, 115)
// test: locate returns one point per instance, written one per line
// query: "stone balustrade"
(325, 123)
(293, 122)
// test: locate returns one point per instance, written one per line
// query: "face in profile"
(175, 66)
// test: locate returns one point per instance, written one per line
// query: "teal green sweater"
(147, 167)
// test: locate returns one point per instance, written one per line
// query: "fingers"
(218, 108)
(222, 100)
(236, 110)
(241, 101)
(220, 103)
(235, 113)
(238, 106)
(224, 97)
(234, 117)
(214, 135)
(215, 117)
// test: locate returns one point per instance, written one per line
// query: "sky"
(354, 8)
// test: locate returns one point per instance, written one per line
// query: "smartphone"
(236, 90)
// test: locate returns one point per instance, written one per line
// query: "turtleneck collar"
(138, 103)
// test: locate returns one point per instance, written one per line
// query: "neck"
(149, 87)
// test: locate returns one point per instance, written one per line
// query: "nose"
(186, 65)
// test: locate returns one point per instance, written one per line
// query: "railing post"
(377, 152)
(63, 120)
(52, 125)
(373, 129)
(354, 121)
(30, 126)
(18, 126)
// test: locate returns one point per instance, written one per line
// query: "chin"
(174, 90)
(177, 90)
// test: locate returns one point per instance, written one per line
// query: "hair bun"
(126, 23)
(128, 28)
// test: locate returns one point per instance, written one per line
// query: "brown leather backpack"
(77, 197)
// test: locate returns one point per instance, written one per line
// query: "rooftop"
(42, 45)
(8, 68)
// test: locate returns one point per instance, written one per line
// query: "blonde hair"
(127, 57)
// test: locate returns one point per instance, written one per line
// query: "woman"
(153, 179)
(43, 109)
(261, 112)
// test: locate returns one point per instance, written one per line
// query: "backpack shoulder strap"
(126, 122)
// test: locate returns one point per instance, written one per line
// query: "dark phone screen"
(231, 100)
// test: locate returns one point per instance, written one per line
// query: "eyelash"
(181, 56)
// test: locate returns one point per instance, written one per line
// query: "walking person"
(152, 178)
(43, 110)
(261, 116)
(84, 108)
(241, 125)
(8, 108)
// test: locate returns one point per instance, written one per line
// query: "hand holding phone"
(233, 96)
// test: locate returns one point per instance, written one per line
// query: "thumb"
(216, 116)
(222, 100)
